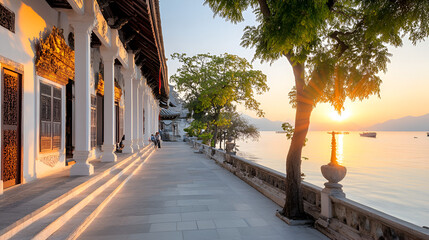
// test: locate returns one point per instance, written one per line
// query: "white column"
(82, 36)
(109, 145)
(151, 115)
(135, 116)
(157, 116)
(128, 123)
(146, 117)
(154, 117)
(140, 111)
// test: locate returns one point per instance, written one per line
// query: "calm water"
(389, 173)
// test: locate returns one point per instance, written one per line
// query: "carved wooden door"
(11, 128)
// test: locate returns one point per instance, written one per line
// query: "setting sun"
(340, 117)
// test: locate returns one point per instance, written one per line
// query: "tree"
(238, 127)
(211, 84)
(336, 49)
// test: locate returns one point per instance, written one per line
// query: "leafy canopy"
(342, 44)
(211, 83)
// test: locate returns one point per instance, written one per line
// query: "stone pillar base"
(1, 187)
(82, 167)
(108, 154)
(136, 146)
(325, 200)
(128, 146)
(141, 143)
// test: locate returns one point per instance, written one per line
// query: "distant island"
(409, 123)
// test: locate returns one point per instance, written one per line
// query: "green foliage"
(205, 137)
(289, 129)
(209, 82)
(196, 128)
(212, 85)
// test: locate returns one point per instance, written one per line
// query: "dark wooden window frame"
(51, 123)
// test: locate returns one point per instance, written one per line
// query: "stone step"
(45, 219)
(76, 225)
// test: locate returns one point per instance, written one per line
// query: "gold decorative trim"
(100, 85)
(118, 92)
(55, 59)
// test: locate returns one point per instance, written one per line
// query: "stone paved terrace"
(179, 194)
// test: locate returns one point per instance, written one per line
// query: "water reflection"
(337, 148)
(340, 146)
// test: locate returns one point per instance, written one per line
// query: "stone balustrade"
(350, 219)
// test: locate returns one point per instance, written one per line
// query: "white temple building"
(174, 118)
(76, 77)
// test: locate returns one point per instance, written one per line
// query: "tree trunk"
(216, 117)
(214, 136)
(294, 208)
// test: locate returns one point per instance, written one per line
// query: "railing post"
(334, 173)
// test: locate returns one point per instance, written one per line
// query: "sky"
(190, 27)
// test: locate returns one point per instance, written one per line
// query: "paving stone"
(163, 227)
(200, 235)
(154, 236)
(256, 222)
(191, 225)
(230, 223)
(206, 224)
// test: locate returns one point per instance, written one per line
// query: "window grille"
(93, 121)
(50, 117)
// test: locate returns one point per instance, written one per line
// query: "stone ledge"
(293, 222)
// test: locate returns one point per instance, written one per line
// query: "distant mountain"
(264, 124)
(408, 123)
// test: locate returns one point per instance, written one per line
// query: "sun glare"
(337, 117)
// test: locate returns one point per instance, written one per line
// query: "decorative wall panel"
(118, 92)
(10, 100)
(50, 159)
(101, 28)
(10, 155)
(7, 18)
(55, 59)
(100, 85)
(11, 141)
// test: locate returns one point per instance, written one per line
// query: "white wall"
(33, 19)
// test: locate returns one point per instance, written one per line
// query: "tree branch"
(342, 45)
(264, 8)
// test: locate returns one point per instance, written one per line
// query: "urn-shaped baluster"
(333, 172)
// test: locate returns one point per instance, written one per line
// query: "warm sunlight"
(339, 118)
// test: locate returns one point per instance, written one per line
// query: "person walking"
(153, 139)
(158, 139)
